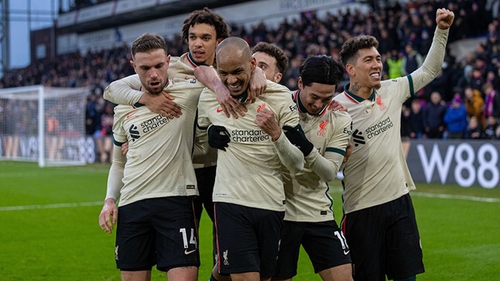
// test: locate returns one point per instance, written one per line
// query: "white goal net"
(43, 124)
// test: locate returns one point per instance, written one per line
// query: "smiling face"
(268, 64)
(316, 96)
(366, 70)
(152, 69)
(202, 41)
(234, 68)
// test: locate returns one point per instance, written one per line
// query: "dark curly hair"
(275, 52)
(208, 17)
(354, 44)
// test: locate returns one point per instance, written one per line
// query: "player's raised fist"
(444, 18)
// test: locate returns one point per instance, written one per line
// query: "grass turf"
(49, 228)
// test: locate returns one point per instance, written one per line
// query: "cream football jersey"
(307, 195)
(159, 156)
(127, 91)
(249, 171)
(376, 171)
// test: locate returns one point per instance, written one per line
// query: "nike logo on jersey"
(130, 115)
(346, 252)
(218, 110)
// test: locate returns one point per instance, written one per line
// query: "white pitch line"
(84, 204)
(50, 206)
(448, 196)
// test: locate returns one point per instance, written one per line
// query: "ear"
(133, 64)
(278, 76)
(253, 63)
(350, 69)
(300, 83)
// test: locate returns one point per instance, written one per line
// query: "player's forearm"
(208, 76)
(115, 174)
(291, 157)
(433, 62)
(326, 169)
(124, 91)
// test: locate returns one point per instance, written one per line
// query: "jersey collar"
(191, 61)
(355, 98)
(302, 108)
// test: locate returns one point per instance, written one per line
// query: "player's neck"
(360, 91)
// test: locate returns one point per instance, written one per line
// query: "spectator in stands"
(474, 130)
(395, 64)
(490, 131)
(434, 117)
(456, 118)
(474, 104)
(411, 60)
(491, 101)
(417, 119)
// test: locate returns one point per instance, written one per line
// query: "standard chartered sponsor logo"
(379, 128)
(153, 123)
(248, 136)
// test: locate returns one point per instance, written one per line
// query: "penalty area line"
(50, 206)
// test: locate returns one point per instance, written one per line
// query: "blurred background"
(85, 43)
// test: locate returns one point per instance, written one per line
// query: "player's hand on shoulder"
(337, 106)
(257, 85)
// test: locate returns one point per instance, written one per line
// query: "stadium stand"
(394, 26)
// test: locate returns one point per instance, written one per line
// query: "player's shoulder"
(184, 83)
(273, 87)
(276, 93)
(340, 96)
(342, 116)
(207, 95)
(121, 110)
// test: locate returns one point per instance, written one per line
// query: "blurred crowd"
(462, 102)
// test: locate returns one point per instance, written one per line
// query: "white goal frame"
(41, 94)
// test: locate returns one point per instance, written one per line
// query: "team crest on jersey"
(381, 104)
(322, 128)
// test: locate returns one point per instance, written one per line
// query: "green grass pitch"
(49, 228)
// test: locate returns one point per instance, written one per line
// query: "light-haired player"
(155, 183)
(379, 221)
(248, 194)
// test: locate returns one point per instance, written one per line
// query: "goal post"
(43, 124)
